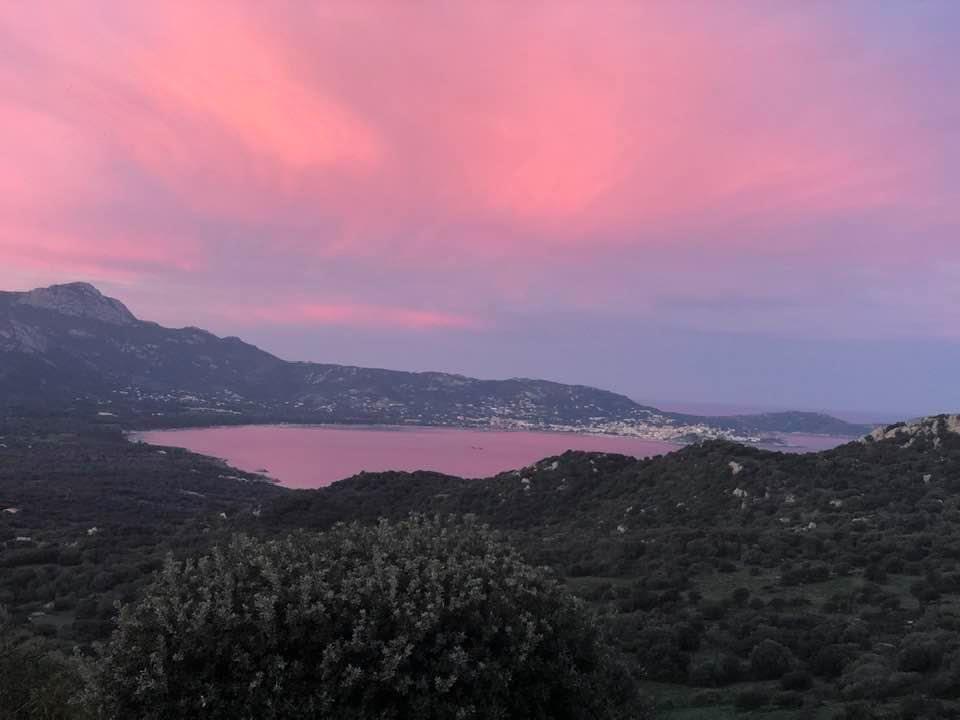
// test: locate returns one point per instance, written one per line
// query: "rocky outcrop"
(929, 427)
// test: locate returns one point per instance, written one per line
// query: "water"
(314, 456)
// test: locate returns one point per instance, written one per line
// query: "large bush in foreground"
(421, 619)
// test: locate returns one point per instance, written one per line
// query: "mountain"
(69, 345)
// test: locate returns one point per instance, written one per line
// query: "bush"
(921, 708)
(788, 699)
(919, 653)
(705, 698)
(658, 654)
(797, 680)
(866, 680)
(426, 619)
(946, 684)
(714, 670)
(33, 683)
(751, 699)
(830, 661)
(856, 711)
(769, 660)
(875, 573)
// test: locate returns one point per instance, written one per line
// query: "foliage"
(769, 660)
(797, 680)
(86, 518)
(920, 652)
(34, 684)
(752, 698)
(423, 618)
(850, 558)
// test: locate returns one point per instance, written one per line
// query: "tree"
(423, 618)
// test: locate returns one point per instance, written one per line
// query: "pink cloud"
(466, 156)
(118, 256)
(579, 122)
(232, 120)
(219, 64)
(355, 314)
(48, 167)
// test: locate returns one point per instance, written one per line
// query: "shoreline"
(367, 427)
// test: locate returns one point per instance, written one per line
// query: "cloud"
(484, 159)
(354, 315)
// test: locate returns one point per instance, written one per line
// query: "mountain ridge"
(72, 345)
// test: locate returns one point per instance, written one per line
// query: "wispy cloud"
(352, 315)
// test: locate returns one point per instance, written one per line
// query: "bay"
(315, 456)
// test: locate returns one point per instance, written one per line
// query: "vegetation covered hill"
(751, 578)
(733, 577)
(69, 346)
(86, 517)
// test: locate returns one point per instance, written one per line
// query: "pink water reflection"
(314, 456)
(307, 457)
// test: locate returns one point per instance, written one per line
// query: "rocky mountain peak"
(79, 299)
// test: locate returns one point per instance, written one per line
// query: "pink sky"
(442, 173)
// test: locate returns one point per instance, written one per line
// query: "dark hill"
(715, 486)
(769, 579)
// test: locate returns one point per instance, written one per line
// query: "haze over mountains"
(71, 345)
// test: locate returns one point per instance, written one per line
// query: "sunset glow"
(446, 177)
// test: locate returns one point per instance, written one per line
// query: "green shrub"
(920, 653)
(715, 670)
(34, 684)
(421, 619)
(830, 661)
(797, 680)
(866, 679)
(769, 660)
(788, 699)
(751, 699)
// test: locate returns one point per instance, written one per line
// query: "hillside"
(730, 575)
(68, 347)
(86, 518)
(750, 578)
(902, 471)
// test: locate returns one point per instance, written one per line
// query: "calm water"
(314, 456)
